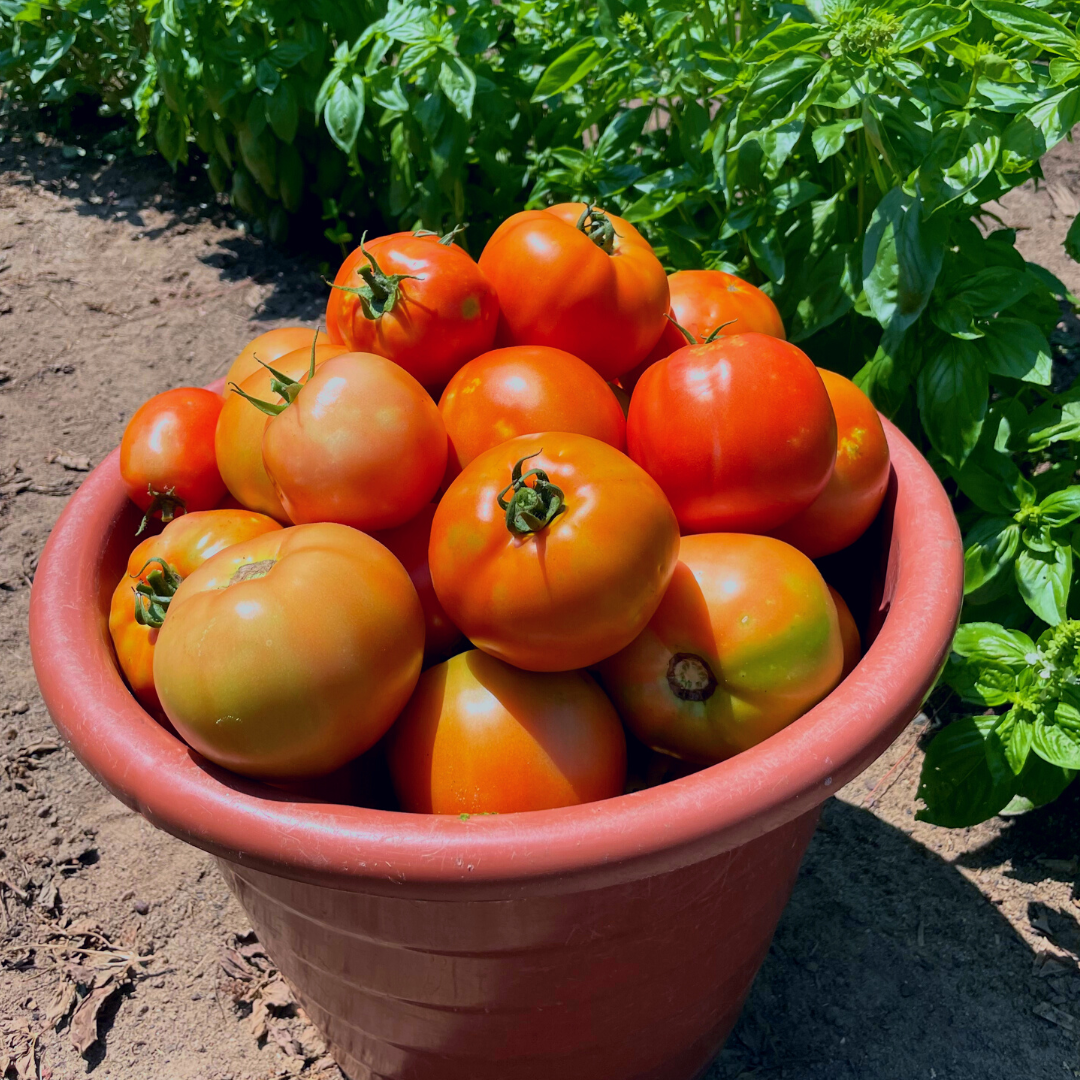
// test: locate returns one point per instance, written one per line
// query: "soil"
(907, 951)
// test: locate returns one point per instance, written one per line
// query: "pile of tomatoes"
(498, 515)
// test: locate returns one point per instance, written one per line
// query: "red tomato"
(290, 654)
(856, 489)
(240, 427)
(154, 572)
(739, 433)
(167, 453)
(579, 279)
(417, 301)
(745, 641)
(362, 444)
(707, 301)
(526, 388)
(565, 571)
(849, 634)
(271, 346)
(409, 542)
(481, 737)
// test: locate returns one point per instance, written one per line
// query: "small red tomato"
(579, 279)
(856, 489)
(739, 432)
(361, 444)
(416, 300)
(269, 347)
(167, 458)
(509, 392)
(849, 634)
(481, 737)
(409, 542)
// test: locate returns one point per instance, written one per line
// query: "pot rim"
(351, 847)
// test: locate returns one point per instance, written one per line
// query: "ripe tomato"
(167, 453)
(745, 641)
(849, 634)
(409, 542)
(154, 571)
(240, 428)
(415, 300)
(525, 388)
(856, 489)
(290, 654)
(271, 346)
(708, 301)
(481, 737)
(362, 444)
(739, 433)
(576, 278)
(560, 595)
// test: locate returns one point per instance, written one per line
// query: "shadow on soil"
(889, 965)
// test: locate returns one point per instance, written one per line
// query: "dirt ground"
(907, 951)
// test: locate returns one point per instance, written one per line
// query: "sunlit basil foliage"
(839, 153)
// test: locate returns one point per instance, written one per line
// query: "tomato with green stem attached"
(270, 347)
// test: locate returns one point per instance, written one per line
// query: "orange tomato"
(271, 346)
(481, 737)
(849, 634)
(154, 571)
(525, 388)
(855, 491)
(745, 640)
(565, 571)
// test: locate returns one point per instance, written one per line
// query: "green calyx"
(165, 503)
(530, 509)
(281, 384)
(378, 292)
(153, 596)
(690, 339)
(596, 225)
(445, 240)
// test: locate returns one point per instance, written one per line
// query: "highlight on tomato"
(552, 551)
(239, 434)
(270, 347)
(167, 459)
(577, 278)
(155, 569)
(290, 654)
(855, 491)
(416, 299)
(481, 737)
(514, 391)
(745, 641)
(739, 432)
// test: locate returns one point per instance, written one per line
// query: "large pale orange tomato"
(481, 737)
(290, 654)
(856, 489)
(552, 551)
(271, 346)
(745, 641)
(526, 388)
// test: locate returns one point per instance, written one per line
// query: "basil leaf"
(1017, 349)
(1043, 580)
(1061, 507)
(991, 642)
(567, 70)
(1056, 744)
(927, 23)
(989, 551)
(344, 113)
(952, 393)
(1030, 24)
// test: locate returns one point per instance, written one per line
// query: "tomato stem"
(281, 384)
(530, 509)
(166, 503)
(596, 225)
(153, 596)
(690, 339)
(379, 291)
(690, 677)
(713, 333)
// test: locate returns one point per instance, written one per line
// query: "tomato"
(739, 432)
(526, 388)
(290, 654)
(362, 444)
(420, 302)
(154, 571)
(704, 302)
(481, 737)
(576, 278)
(271, 346)
(745, 641)
(409, 543)
(855, 491)
(240, 428)
(167, 453)
(849, 634)
(568, 569)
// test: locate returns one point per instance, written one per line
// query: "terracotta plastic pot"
(603, 942)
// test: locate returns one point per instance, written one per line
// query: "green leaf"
(1029, 23)
(1043, 580)
(1061, 507)
(1056, 744)
(902, 257)
(926, 23)
(458, 83)
(952, 392)
(778, 93)
(344, 113)
(568, 70)
(957, 784)
(267, 76)
(991, 290)
(992, 480)
(171, 136)
(56, 48)
(1040, 782)
(1018, 735)
(283, 111)
(1017, 348)
(989, 550)
(1039, 129)
(991, 642)
(1072, 240)
(829, 138)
